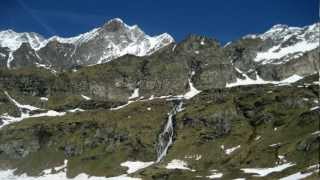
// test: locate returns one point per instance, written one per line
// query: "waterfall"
(165, 138)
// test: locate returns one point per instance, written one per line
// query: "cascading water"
(166, 136)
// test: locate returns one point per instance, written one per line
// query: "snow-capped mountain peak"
(285, 43)
(280, 31)
(13, 40)
(112, 40)
(120, 39)
(119, 20)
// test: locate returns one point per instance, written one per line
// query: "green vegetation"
(97, 141)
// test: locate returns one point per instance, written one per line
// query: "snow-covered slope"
(76, 40)
(283, 43)
(13, 40)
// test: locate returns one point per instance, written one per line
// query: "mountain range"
(114, 39)
(116, 103)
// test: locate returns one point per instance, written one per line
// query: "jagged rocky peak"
(203, 40)
(126, 34)
(115, 24)
(195, 43)
(121, 33)
(119, 39)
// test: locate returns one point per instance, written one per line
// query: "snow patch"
(248, 81)
(10, 59)
(315, 133)
(21, 106)
(141, 99)
(297, 176)
(49, 113)
(121, 106)
(301, 175)
(47, 67)
(227, 44)
(230, 150)
(174, 47)
(61, 175)
(314, 108)
(10, 119)
(134, 166)
(44, 99)
(215, 175)
(178, 164)
(135, 94)
(291, 79)
(192, 91)
(275, 145)
(25, 112)
(76, 110)
(261, 172)
(85, 97)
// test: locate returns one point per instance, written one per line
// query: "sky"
(225, 20)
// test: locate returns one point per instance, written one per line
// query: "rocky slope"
(220, 131)
(149, 108)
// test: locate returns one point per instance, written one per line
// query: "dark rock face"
(7, 107)
(4, 55)
(19, 149)
(27, 82)
(242, 52)
(25, 56)
(58, 55)
(307, 118)
(305, 65)
(309, 144)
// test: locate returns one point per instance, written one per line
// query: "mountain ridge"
(279, 53)
(132, 41)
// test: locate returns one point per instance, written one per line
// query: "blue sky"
(224, 20)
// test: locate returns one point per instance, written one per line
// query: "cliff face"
(164, 73)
